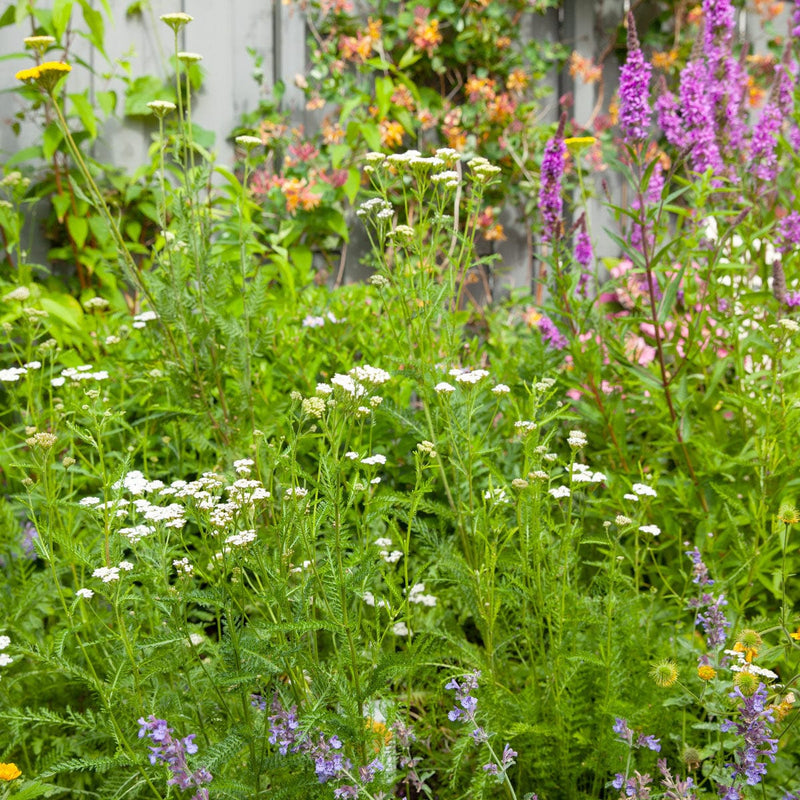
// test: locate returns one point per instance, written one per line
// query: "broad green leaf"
(78, 229)
(65, 308)
(62, 11)
(384, 88)
(85, 111)
(352, 184)
(61, 205)
(51, 139)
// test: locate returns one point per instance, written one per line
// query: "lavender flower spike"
(550, 203)
(634, 90)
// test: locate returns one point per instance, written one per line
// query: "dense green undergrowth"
(266, 538)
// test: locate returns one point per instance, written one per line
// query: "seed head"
(664, 673)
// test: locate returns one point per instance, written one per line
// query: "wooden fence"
(224, 30)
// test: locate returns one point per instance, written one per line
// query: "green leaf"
(65, 308)
(51, 139)
(78, 229)
(107, 101)
(29, 791)
(384, 88)
(96, 26)
(62, 11)
(61, 205)
(86, 112)
(352, 184)
(411, 56)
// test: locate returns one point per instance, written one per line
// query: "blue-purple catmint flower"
(465, 702)
(625, 734)
(284, 727)
(173, 753)
(754, 726)
(712, 618)
(700, 574)
(634, 90)
(550, 202)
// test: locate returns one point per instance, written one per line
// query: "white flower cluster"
(141, 320)
(5, 658)
(390, 557)
(13, 374)
(241, 538)
(640, 490)
(559, 491)
(183, 566)
(376, 207)
(79, 375)
(417, 595)
(471, 376)
(577, 439)
(581, 473)
(111, 574)
(370, 600)
(371, 461)
(498, 496)
(741, 665)
(653, 530)
(525, 425)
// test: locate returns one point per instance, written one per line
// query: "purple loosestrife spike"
(669, 116)
(788, 237)
(699, 118)
(634, 90)
(550, 202)
(794, 24)
(765, 132)
(583, 244)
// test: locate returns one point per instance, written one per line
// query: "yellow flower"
(8, 772)
(706, 672)
(748, 642)
(176, 20)
(40, 43)
(796, 635)
(576, 143)
(47, 75)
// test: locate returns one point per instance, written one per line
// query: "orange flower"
(706, 672)
(665, 60)
(401, 96)
(8, 772)
(517, 80)
(584, 68)
(425, 34)
(391, 133)
(299, 195)
(503, 42)
(477, 88)
(495, 234)
(332, 132)
(356, 48)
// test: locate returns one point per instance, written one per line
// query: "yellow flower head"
(176, 20)
(706, 672)
(8, 772)
(748, 642)
(40, 43)
(46, 75)
(576, 143)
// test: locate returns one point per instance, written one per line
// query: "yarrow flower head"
(634, 82)
(176, 20)
(46, 75)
